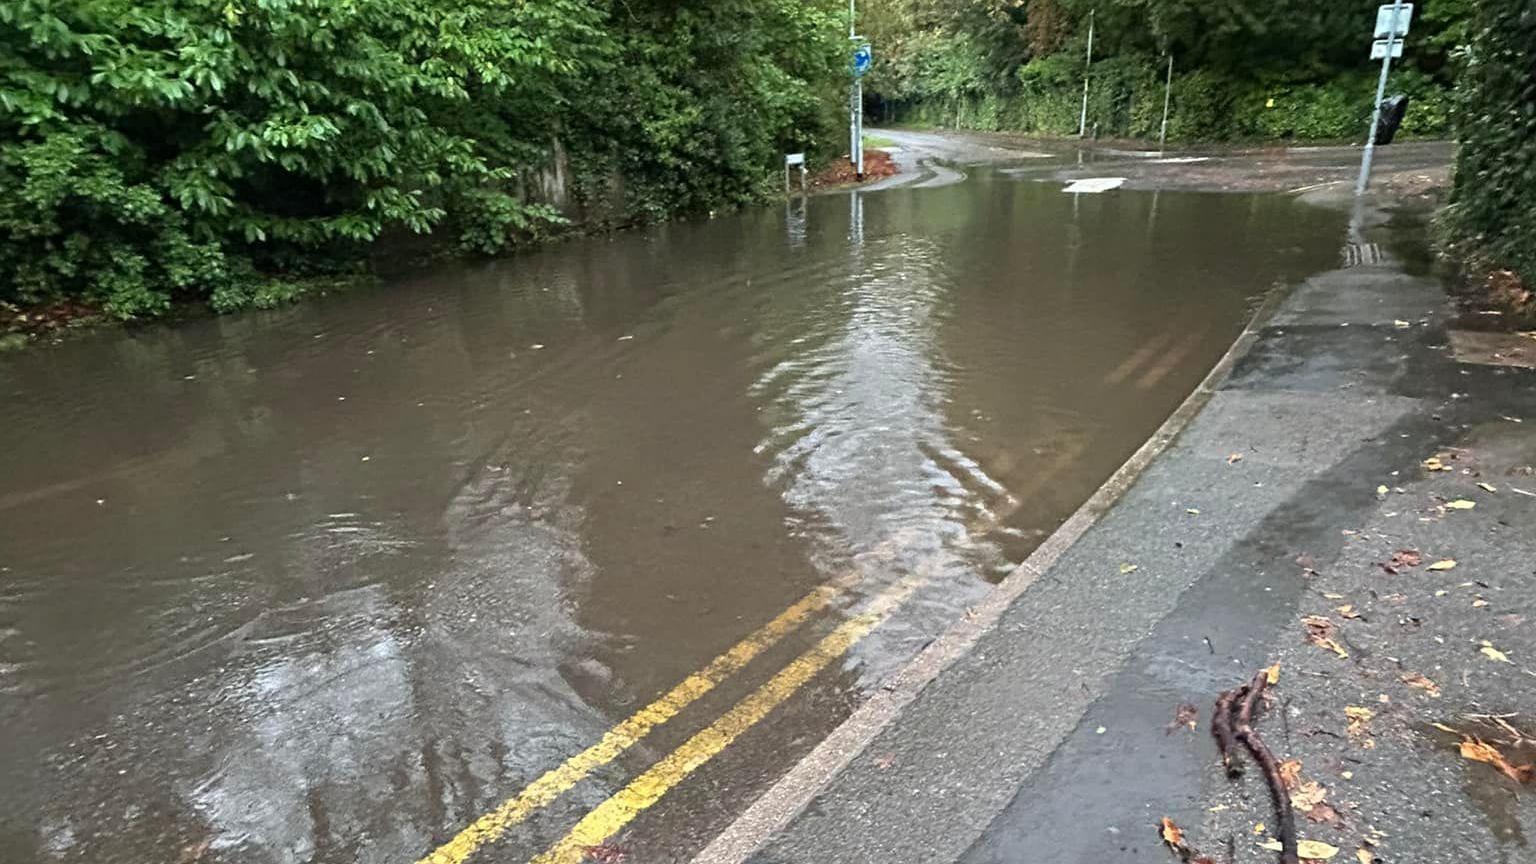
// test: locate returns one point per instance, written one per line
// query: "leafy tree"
(152, 150)
(1492, 210)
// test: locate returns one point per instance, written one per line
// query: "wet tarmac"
(329, 583)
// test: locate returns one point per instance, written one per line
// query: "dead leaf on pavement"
(1493, 653)
(1480, 751)
(1272, 675)
(1444, 564)
(1460, 504)
(605, 853)
(1234, 458)
(1185, 715)
(1359, 718)
(1317, 850)
(1271, 844)
(1127, 568)
(1407, 557)
(1323, 814)
(1487, 487)
(1308, 795)
(1433, 463)
(1173, 835)
(1348, 611)
(1290, 773)
(1320, 633)
(1414, 679)
(1365, 856)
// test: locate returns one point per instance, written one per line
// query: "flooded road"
(332, 583)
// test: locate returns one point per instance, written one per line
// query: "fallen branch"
(1238, 722)
(1221, 727)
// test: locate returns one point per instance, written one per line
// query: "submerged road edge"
(792, 793)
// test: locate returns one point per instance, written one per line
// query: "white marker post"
(1162, 137)
(791, 160)
(1392, 23)
(1082, 124)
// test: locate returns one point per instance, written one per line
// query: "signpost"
(1392, 22)
(862, 58)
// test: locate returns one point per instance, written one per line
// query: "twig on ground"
(1238, 722)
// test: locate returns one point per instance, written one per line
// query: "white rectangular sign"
(794, 159)
(1384, 20)
(1379, 49)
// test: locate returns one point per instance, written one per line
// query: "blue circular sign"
(862, 58)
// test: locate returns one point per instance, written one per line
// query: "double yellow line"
(609, 817)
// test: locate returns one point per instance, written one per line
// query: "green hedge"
(1493, 214)
(158, 150)
(1126, 101)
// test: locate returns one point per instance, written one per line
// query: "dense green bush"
(1493, 213)
(154, 150)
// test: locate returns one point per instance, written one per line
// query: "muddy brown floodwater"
(327, 584)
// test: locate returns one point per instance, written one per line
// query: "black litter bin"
(1392, 110)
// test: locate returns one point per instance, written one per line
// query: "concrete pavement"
(1050, 741)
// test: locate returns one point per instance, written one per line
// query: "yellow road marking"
(1133, 362)
(609, 817)
(553, 783)
(1171, 360)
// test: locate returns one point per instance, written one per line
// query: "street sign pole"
(856, 105)
(1381, 92)
(1082, 124)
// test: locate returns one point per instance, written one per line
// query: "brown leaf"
(1480, 751)
(605, 853)
(1323, 814)
(1290, 773)
(1184, 715)
(1348, 611)
(1407, 558)
(1308, 795)
(1320, 633)
(1173, 835)
(1414, 679)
